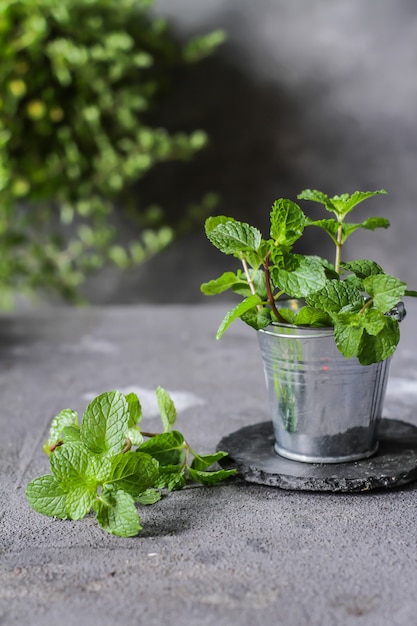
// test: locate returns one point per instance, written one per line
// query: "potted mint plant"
(327, 330)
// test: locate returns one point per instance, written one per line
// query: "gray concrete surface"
(236, 554)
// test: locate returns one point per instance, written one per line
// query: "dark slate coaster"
(252, 453)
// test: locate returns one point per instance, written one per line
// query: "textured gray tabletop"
(237, 553)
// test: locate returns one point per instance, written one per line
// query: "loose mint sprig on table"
(355, 298)
(108, 465)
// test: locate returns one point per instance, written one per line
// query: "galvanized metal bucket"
(325, 408)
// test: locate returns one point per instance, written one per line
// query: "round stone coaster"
(251, 452)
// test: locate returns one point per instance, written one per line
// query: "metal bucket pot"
(325, 408)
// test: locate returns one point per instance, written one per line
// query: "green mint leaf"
(355, 282)
(212, 222)
(45, 495)
(105, 423)
(233, 236)
(135, 409)
(150, 496)
(69, 465)
(257, 319)
(351, 328)
(363, 268)
(167, 448)
(171, 477)
(287, 222)
(372, 223)
(67, 417)
(203, 461)
(71, 434)
(307, 316)
(288, 315)
(238, 311)
(228, 280)
(99, 468)
(385, 290)
(340, 205)
(210, 478)
(167, 408)
(304, 276)
(80, 501)
(345, 203)
(135, 436)
(330, 226)
(117, 514)
(334, 296)
(373, 321)
(317, 196)
(133, 472)
(348, 331)
(376, 348)
(410, 292)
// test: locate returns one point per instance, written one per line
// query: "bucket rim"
(300, 331)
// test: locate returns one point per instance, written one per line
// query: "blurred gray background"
(304, 93)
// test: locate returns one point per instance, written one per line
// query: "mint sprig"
(108, 465)
(356, 297)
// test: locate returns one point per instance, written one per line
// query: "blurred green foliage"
(78, 79)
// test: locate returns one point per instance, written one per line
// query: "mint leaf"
(330, 226)
(348, 331)
(340, 205)
(99, 468)
(150, 496)
(69, 465)
(133, 472)
(228, 280)
(167, 408)
(345, 203)
(203, 461)
(105, 423)
(65, 418)
(135, 436)
(238, 311)
(71, 434)
(380, 347)
(233, 236)
(334, 296)
(171, 477)
(257, 319)
(288, 315)
(307, 316)
(80, 501)
(135, 409)
(167, 448)
(287, 222)
(117, 514)
(210, 478)
(317, 196)
(305, 276)
(363, 268)
(372, 223)
(385, 290)
(212, 222)
(373, 321)
(45, 495)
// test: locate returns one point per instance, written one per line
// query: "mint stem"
(339, 245)
(250, 281)
(271, 298)
(366, 306)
